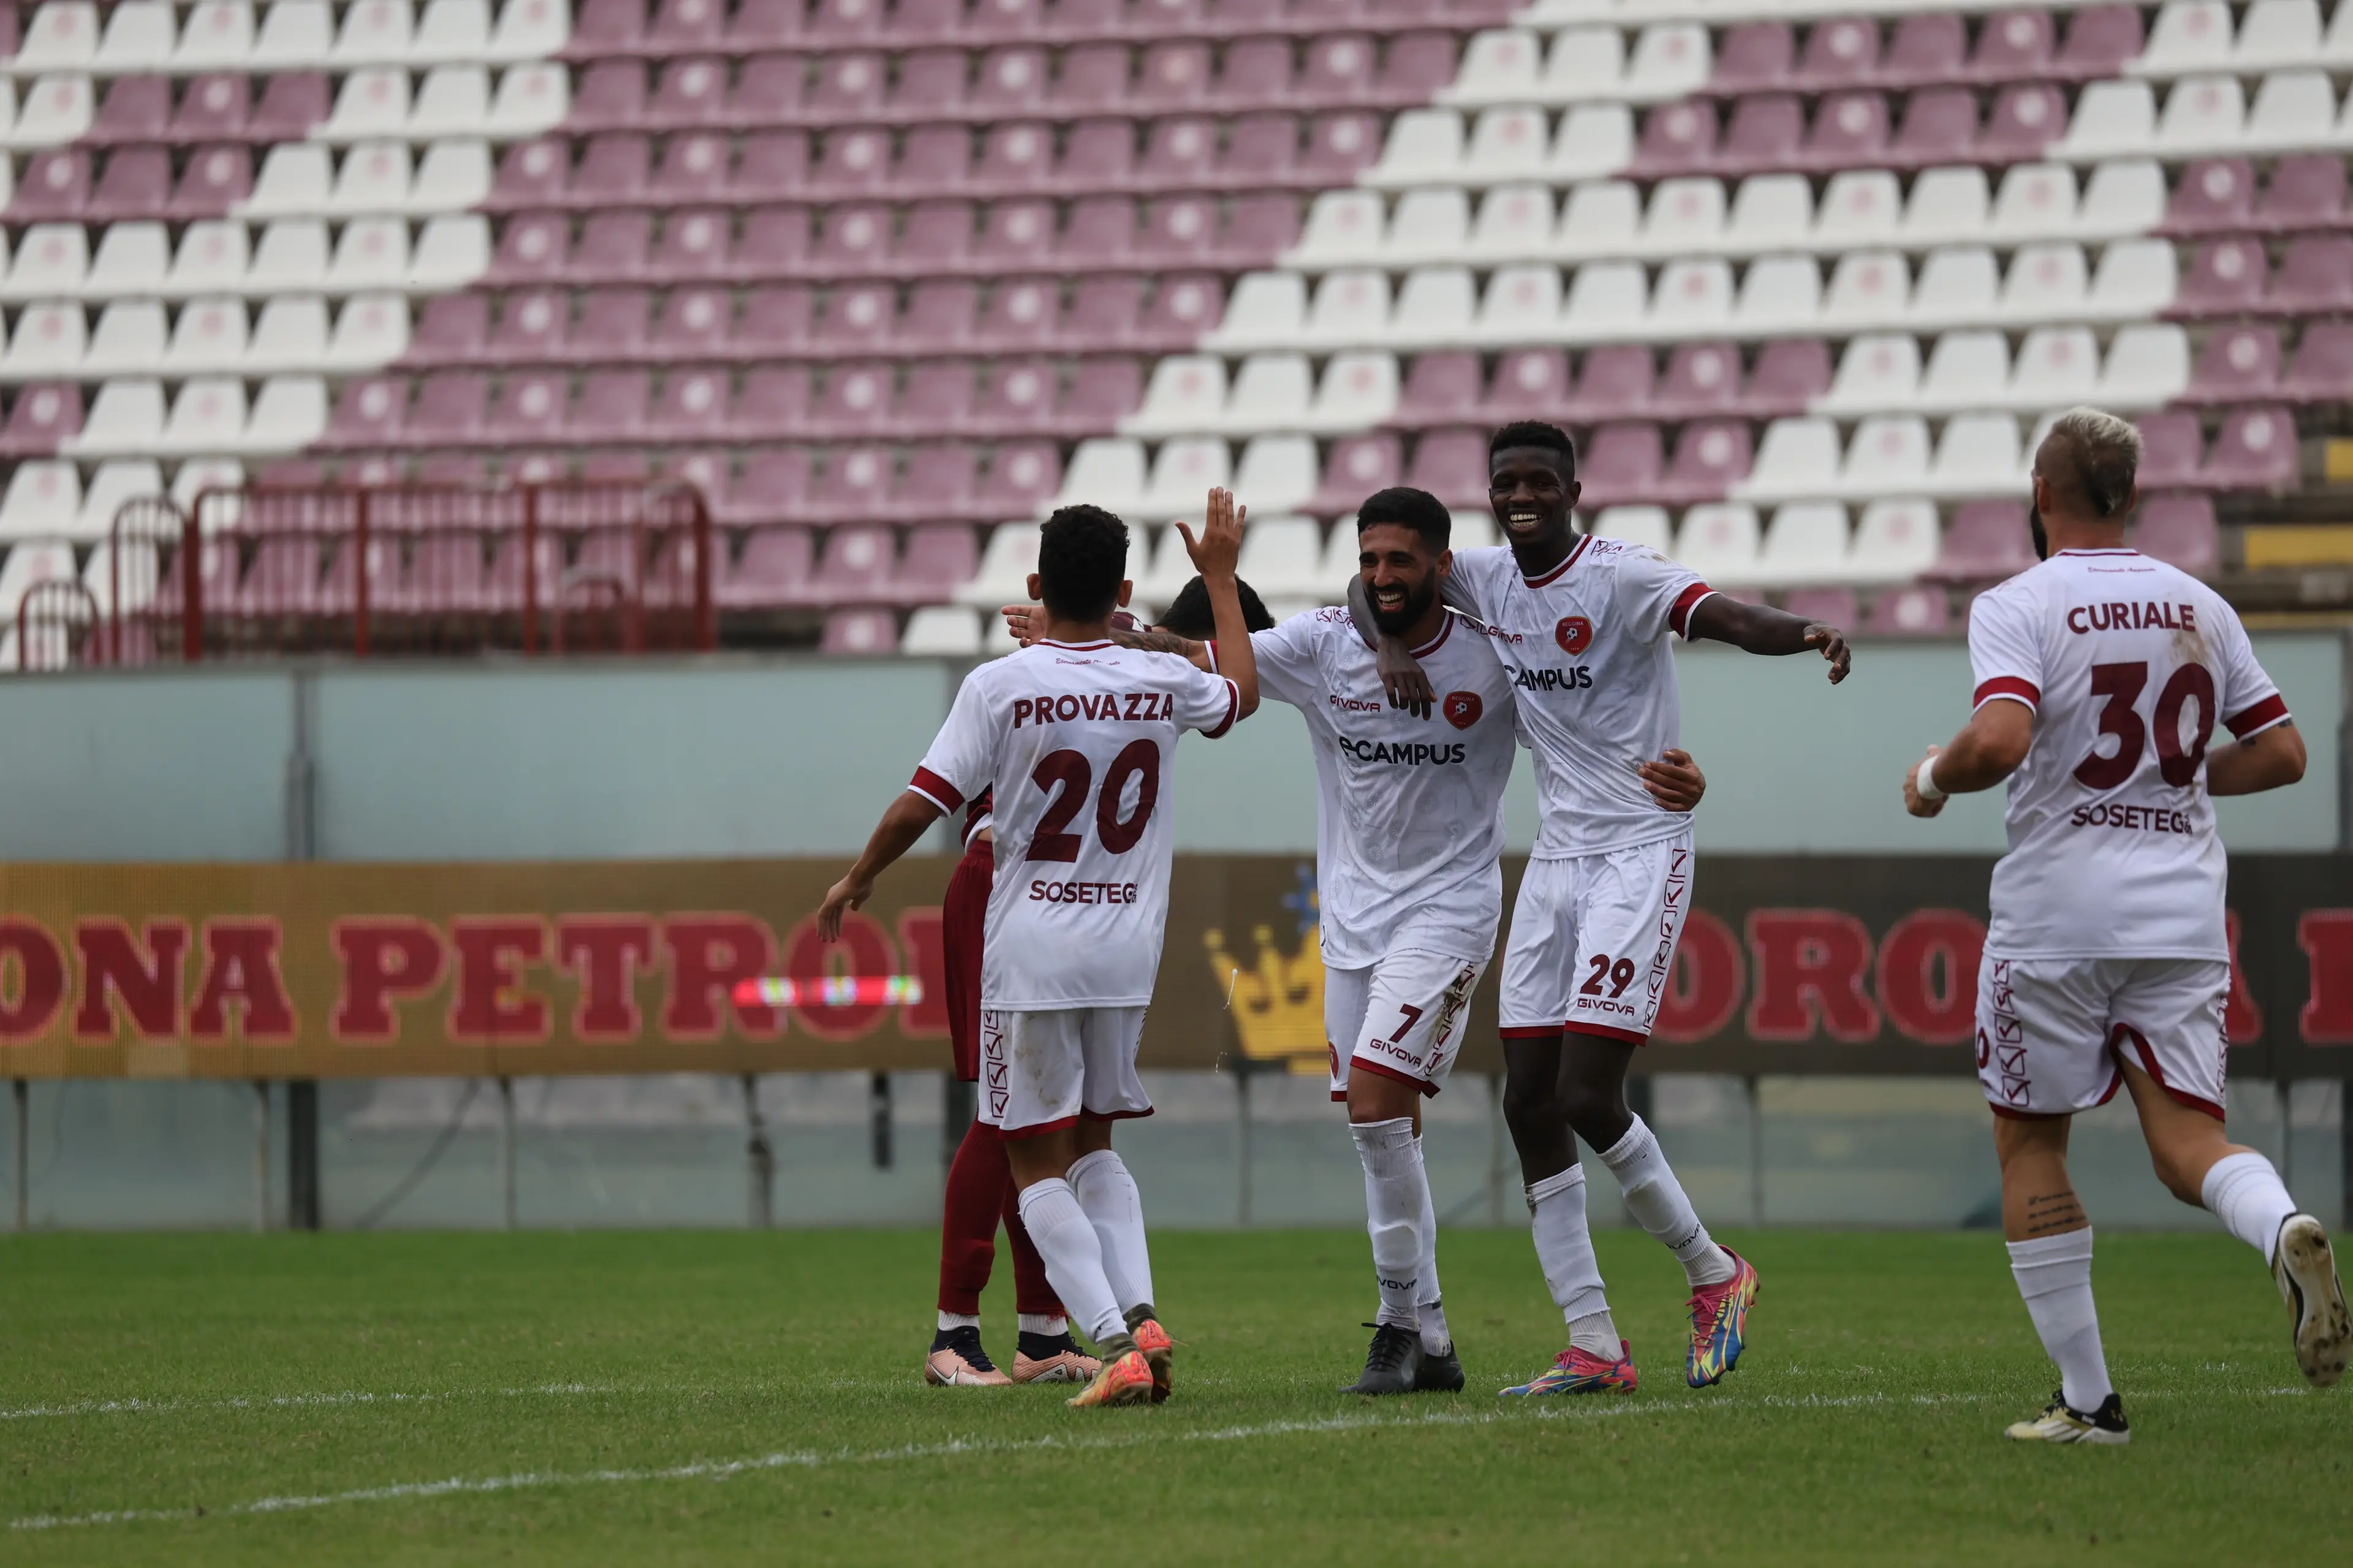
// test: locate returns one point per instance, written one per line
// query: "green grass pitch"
(684, 1398)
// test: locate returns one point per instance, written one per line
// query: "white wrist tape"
(1924, 781)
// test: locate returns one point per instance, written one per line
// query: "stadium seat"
(2322, 370)
(2238, 365)
(1719, 542)
(2254, 450)
(1646, 526)
(1805, 542)
(948, 631)
(43, 500)
(1908, 612)
(1894, 541)
(2179, 529)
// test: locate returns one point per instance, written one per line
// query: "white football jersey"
(2128, 665)
(1408, 811)
(1587, 649)
(1078, 740)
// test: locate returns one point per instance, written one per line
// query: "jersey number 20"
(1072, 773)
(2121, 684)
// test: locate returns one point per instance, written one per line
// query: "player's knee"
(1532, 1110)
(1597, 1110)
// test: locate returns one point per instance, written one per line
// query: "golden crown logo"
(1278, 1001)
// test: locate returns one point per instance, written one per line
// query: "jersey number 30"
(1072, 774)
(2121, 684)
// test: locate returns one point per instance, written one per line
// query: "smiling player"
(1409, 828)
(1581, 626)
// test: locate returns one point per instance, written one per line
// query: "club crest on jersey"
(1575, 635)
(1461, 709)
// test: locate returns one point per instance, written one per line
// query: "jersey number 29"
(2121, 684)
(1072, 774)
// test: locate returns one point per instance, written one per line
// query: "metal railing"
(402, 571)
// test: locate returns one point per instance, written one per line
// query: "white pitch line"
(720, 1470)
(290, 1401)
(725, 1469)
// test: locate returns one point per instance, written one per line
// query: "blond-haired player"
(2101, 677)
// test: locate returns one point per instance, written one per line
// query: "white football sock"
(1108, 1194)
(2248, 1196)
(1565, 1249)
(1397, 1191)
(958, 1320)
(2054, 1275)
(1434, 1337)
(1047, 1323)
(1656, 1201)
(1596, 1333)
(1074, 1260)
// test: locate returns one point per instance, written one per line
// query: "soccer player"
(1409, 829)
(1078, 733)
(980, 1181)
(2101, 676)
(1580, 623)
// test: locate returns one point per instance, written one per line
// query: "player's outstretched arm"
(1214, 556)
(1674, 781)
(908, 818)
(2272, 759)
(1401, 674)
(1760, 629)
(1987, 749)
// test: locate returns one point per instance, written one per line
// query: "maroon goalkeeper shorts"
(964, 914)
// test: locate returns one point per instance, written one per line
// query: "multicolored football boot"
(1159, 1350)
(1581, 1372)
(2062, 1423)
(957, 1361)
(1719, 1316)
(1124, 1379)
(1052, 1358)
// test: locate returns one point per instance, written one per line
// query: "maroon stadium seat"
(369, 412)
(1099, 154)
(534, 174)
(1021, 479)
(774, 570)
(450, 406)
(936, 400)
(767, 89)
(772, 165)
(1840, 52)
(533, 249)
(930, 82)
(1011, 80)
(1103, 389)
(692, 406)
(529, 409)
(214, 106)
(1790, 373)
(2171, 446)
(940, 558)
(1440, 388)
(1093, 76)
(2100, 41)
(1417, 67)
(613, 246)
(612, 325)
(936, 158)
(1173, 75)
(1184, 306)
(1257, 71)
(1020, 312)
(774, 402)
(1700, 379)
(774, 239)
(1623, 462)
(612, 407)
(1850, 131)
(1613, 383)
(766, 24)
(133, 108)
(856, 238)
(214, 182)
(1909, 613)
(608, 27)
(2314, 277)
(856, 402)
(683, 26)
(1179, 151)
(1016, 397)
(1678, 139)
(55, 187)
(858, 315)
(2255, 450)
(693, 245)
(1986, 542)
(452, 329)
(1339, 146)
(290, 105)
(1356, 466)
(531, 328)
(1101, 232)
(1451, 465)
(1016, 156)
(2026, 118)
(2180, 530)
(942, 315)
(836, 21)
(2217, 195)
(2306, 191)
(937, 483)
(1711, 456)
(611, 97)
(1338, 70)
(1754, 57)
(854, 487)
(859, 632)
(1828, 607)
(2226, 276)
(1020, 235)
(1940, 126)
(1931, 48)
(693, 168)
(2322, 371)
(41, 415)
(917, 21)
(2013, 45)
(852, 162)
(2238, 365)
(1528, 383)
(937, 237)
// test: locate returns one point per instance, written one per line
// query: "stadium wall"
(743, 756)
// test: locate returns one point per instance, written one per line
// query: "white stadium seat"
(1601, 217)
(2147, 366)
(453, 250)
(62, 35)
(289, 413)
(1583, 66)
(454, 101)
(1006, 563)
(1895, 542)
(1186, 393)
(1108, 471)
(1351, 306)
(2057, 367)
(217, 36)
(1646, 526)
(1277, 474)
(1948, 206)
(291, 334)
(1718, 540)
(1183, 472)
(2189, 35)
(530, 99)
(1264, 309)
(48, 343)
(1770, 212)
(1506, 145)
(949, 631)
(1978, 455)
(1878, 370)
(1513, 221)
(214, 258)
(1521, 304)
(295, 35)
(1428, 224)
(126, 417)
(1344, 228)
(1271, 392)
(374, 32)
(1805, 542)
(1594, 140)
(295, 181)
(1357, 391)
(43, 499)
(113, 484)
(209, 337)
(130, 340)
(140, 36)
(1860, 206)
(1282, 557)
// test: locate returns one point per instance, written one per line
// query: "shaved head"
(2090, 460)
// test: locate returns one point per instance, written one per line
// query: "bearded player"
(1409, 831)
(1077, 734)
(2101, 676)
(1581, 624)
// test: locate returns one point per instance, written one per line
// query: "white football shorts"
(1593, 938)
(2050, 1031)
(1402, 1018)
(1038, 1070)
